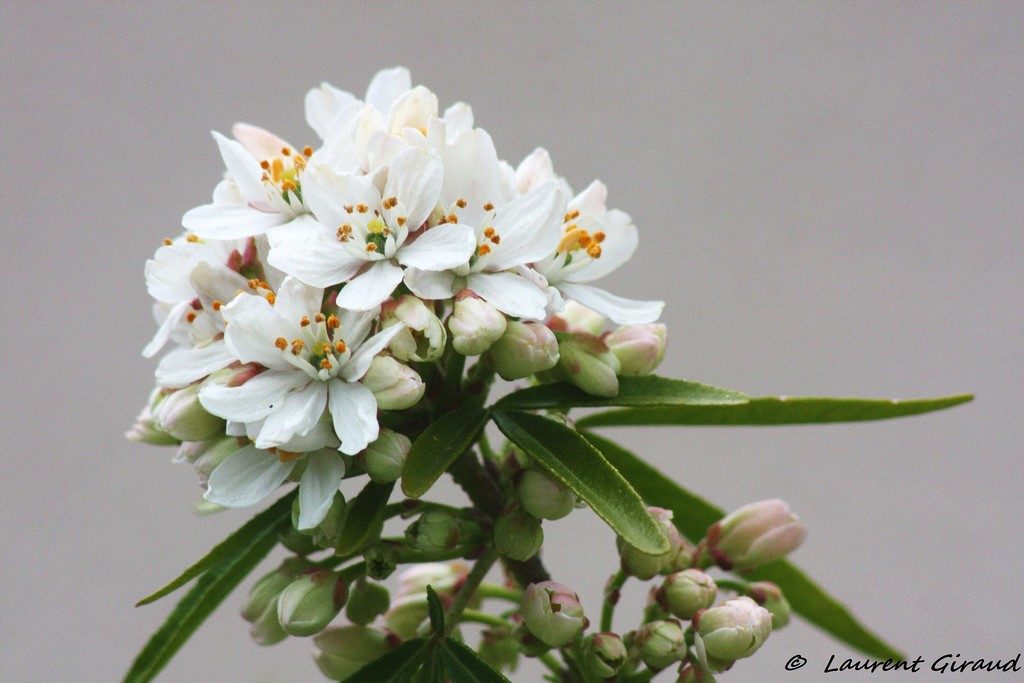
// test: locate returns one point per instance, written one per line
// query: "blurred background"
(830, 202)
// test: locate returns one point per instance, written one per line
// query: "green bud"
(586, 362)
(529, 644)
(423, 336)
(366, 602)
(217, 452)
(603, 654)
(146, 429)
(499, 648)
(394, 385)
(661, 643)
(769, 596)
(685, 593)
(182, 416)
(384, 459)
(693, 673)
(730, 631)
(553, 613)
(754, 535)
(439, 531)
(345, 650)
(381, 561)
(518, 534)
(406, 614)
(525, 349)
(475, 325)
(639, 348)
(544, 497)
(260, 609)
(310, 602)
(644, 566)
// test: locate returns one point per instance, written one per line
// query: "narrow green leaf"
(435, 611)
(214, 584)
(230, 546)
(649, 390)
(397, 666)
(693, 515)
(433, 670)
(438, 447)
(581, 467)
(362, 520)
(773, 410)
(465, 666)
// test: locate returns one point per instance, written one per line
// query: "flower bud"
(586, 362)
(182, 416)
(310, 602)
(423, 337)
(146, 429)
(603, 654)
(517, 534)
(639, 348)
(384, 459)
(394, 385)
(367, 601)
(443, 577)
(645, 566)
(406, 614)
(327, 531)
(345, 650)
(524, 349)
(755, 534)
(529, 644)
(381, 561)
(475, 325)
(552, 612)
(769, 596)
(691, 673)
(578, 318)
(685, 593)
(217, 452)
(439, 531)
(661, 643)
(260, 609)
(499, 648)
(730, 631)
(544, 497)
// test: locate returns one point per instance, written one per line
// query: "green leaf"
(649, 390)
(435, 611)
(438, 447)
(773, 410)
(465, 666)
(396, 666)
(693, 515)
(214, 584)
(362, 521)
(582, 468)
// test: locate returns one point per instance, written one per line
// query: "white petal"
(510, 293)
(323, 106)
(534, 170)
(295, 415)
(457, 118)
(259, 142)
(318, 261)
(471, 172)
(427, 284)
(356, 325)
(620, 310)
(246, 477)
(439, 248)
(183, 366)
(253, 327)
(354, 411)
(215, 283)
(387, 85)
(255, 399)
(412, 110)
(319, 483)
(361, 358)
(295, 299)
(327, 192)
(229, 221)
(415, 179)
(243, 168)
(529, 227)
(163, 333)
(370, 288)
(620, 242)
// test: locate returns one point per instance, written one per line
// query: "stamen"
(307, 151)
(401, 220)
(371, 247)
(571, 216)
(488, 232)
(340, 346)
(390, 202)
(286, 152)
(452, 218)
(348, 208)
(277, 170)
(333, 322)
(299, 163)
(287, 456)
(345, 233)
(496, 239)
(585, 240)
(594, 251)
(265, 165)
(297, 346)
(190, 316)
(319, 317)
(488, 206)
(168, 241)
(281, 343)
(362, 208)
(325, 349)
(461, 203)
(483, 249)
(288, 184)
(216, 304)
(326, 364)
(599, 237)
(191, 237)
(304, 322)
(271, 298)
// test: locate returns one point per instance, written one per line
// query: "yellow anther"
(339, 346)
(362, 208)
(489, 232)
(496, 239)
(585, 240)
(325, 349)
(326, 364)
(305, 321)
(191, 237)
(488, 206)
(299, 163)
(452, 218)
(297, 346)
(288, 184)
(401, 220)
(570, 241)
(271, 298)
(371, 247)
(307, 151)
(345, 233)
(217, 304)
(168, 241)
(594, 251)
(390, 202)
(348, 208)
(190, 316)
(483, 249)
(286, 151)
(333, 322)
(281, 343)
(319, 317)
(599, 237)
(277, 170)
(287, 456)
(461, 203)
(571, 216)
(265, 165)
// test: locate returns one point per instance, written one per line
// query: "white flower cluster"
(298, 301)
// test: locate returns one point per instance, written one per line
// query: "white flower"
(364, 238)
(314, 362)
(510, 232)
(191, 278)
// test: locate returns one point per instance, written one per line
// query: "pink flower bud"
(755, 534)
(423, 337)
(586, 362)
(475, 325)
(639, 348)
(730, 631)
(552, 613)
(525, 349)
(644, 566)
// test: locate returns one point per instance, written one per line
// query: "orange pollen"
(340, 347)
(571, 216)
(271, 298)
(461, 203)
(496, 239)
(190, 316)
(401, 220)
(333, 322)
(594, 251)
(305, 321)
(319, 317)
(281, 343)
(217, 304)
(362, 208)
(452, 218)
(307, 151)
(277, 170)
(191, 237)
(345, 233)
(348, 208)
(570, 240)
(599, 237)
(489, 232)
(299, 163)
(265, 165)
(488, 207)
(483, 249)
(585, 240)
(264, 177)
(286, 456)
(325, 349)
(390, 202)
(371, 247)
(297, 346)
(325, 364)
(168, 241)
(285, 151)
(288, 185)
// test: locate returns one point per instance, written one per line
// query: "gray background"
(830, 202)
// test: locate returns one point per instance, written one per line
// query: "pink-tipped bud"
(639, 348)
(586, 362)
(553, 613)
(603, 654)
(578, 318)
(730, 631)
(769, 596)
(525, 349)
(394, 385)
(423, 337)
(644, 566)
(685, 593)
(475, 325)
(755, 534)
(661, 643)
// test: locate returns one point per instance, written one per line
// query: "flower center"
(282, 172)
(575, 239)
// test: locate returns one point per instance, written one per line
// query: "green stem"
(479, 617)
(549, 660)
(473, 580)
(612, 592)
(493, 590)
(353, 572)
(738, 587)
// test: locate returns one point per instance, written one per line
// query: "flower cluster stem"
(473, 580)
